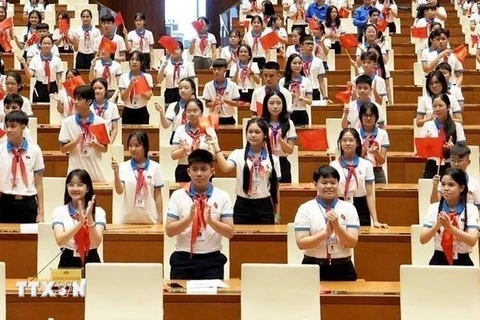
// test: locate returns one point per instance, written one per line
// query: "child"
(333, 28)
(369, 62)
(245, 73)
(47, 70)
(173, 70)
(78, 225)
(76, 138)
(36, 49)
(252, 38)
(199, 215)
(108, 28)
(270, 80)
(83, 41)
(282, 132)
(425, 18)
(140, 180)
(175, 114)
(103, 108)
(327, 228)
(275, 25)
(34, 18)
(21, 199)
(189, 137)
(363, 88)
(360, 18)
(313, 68)
(297, 13)
(65, 103)
(258, 171)
(141, 39)
(252, 8)
(297, 34)
(13, 102)
(13, 85)
(221, 94)
(135, 104)
(322, 45)
(453, 222)
(317, 10)
(230, 52)
(389, 11)
(357, 180)
(443, 127)
(453, 89)
(375, 140)
(300, 87)
(371, 38)
(63, 40)
(32, 5)
(203, 46)
(104, 67)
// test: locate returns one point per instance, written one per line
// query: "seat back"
(168, 165)
(54, 197)
(3, 291)
(424, 192)
(421, 253)
(294, 254)
(294, 165)
(114, 151)
(47, 249)
(154, 114)
(33, 127)
(54, 117)
(473, 168)
(334, 126)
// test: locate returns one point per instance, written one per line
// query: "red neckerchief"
(275, 131)
(82, 239)
(18, 160)
(256, 41)
(306, 66)
(195, 138)
(295, 86)
(351, 173)
(447, 238)
(176, 70)
(141, 35)
(141, 183)
(203, 43)
(46, 68)
(199, 223)
(243, 72)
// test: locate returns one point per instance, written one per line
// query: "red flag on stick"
(348, 41)
(2, 133)
(269, 40)
(169, 43)
(313, 25)
(63, 26)
(141, 86)
(344, 96)
(382, 25)
(107, 45)
(259, 109)
(421, 33)
(6, 24)
(461, 52)
(429, 147)
(71, 84)
(100, 132)
(212, 121)
(343, 13)
(198, 25)
(33, 39)
(313, 140)
(119, 20)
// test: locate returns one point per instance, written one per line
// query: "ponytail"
(246, 171)
(273, 176)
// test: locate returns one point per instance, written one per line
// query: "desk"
(362, 301)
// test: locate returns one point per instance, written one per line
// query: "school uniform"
(333, 257)
(140, 207)
(176, 115)
(82, 156)
(29, 7)
(292, 49)
(86, 45)
(456, 92)
(35, 50)
(142, 41)
(135, 109)
(258, 52)
(473, 185)
(355, 191)
(26, 107)
(313, 68)
(110, 71)
(298, 21)
(229, 91)
(281, 33)
(18, 200)
(68, 104)
(201, 259)
(425, 106)
(259, 95)
(246, 84)
(319, 51)
(26, 134)
(275, 132)
(379, 84)
(335, 30)
(231, 55)
(429, 55)
(195, 140)
(108, 111)
(363, 47)
(461, 251)
(174, 72)
(45, 71)
(119, 41)
(202, 55)
(432, 129)
(64, 46)
(303, 88)
(253, 4)
(70, 257)
(354, 114)
(392, 27)
(422, 23)
(378, 138)
(254, 207)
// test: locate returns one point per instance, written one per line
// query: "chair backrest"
(119, 137)
(280, 292)
(334, 126)
(54, 197)
(168, 165)
(331, 60)
(416, 134)
(47, 249)
(294, 165)
(439, 292)
(32, 88)
(421, 253)
(33, 127)
(114, 151)
(473, 169)
(3, 298)
(110, 283)
(308, 108)
(54, 116)
(125, 66)
(294, 254)
(228, 185)
(154, 114)
(424, 192)
(244, 131)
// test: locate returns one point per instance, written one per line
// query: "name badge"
(332, 244)
(140, 200)
(135, 101)
(86, 152)
(256, 183)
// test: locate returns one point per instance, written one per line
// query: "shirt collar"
(89, 28)
(438, 125)
(105, 104)
(222, 85)
(135, 165)
(188, 127)
(458, 209)
(24, 145)
(364, 134)
(263, 154)
(106, 63)
(344, 162)
(307, 59)
(324, 205)
(130, 75)
(359, 103)
(91, 117)
(192, 192)
(71, 209)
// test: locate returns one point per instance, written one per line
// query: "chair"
(154, 114)
(228, 185)
(294, 254)
(473, 169)
(416, 134)
(119, 137)
(418, 74)
(55, 116)
(32, 126)
(3, 291)
(421, 253)
(334, 126)
(426, 292)
(308, 108)
(125, 66)
(280, 292)
(165, 135)
(47, 249)
(54, 197)
(114, 151)
(65, 68)
(110, 283)
(32, 87)
(294, 165)
(331, 60)
(168, 165)
(424, 192)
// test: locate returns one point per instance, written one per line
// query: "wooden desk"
(362, 301)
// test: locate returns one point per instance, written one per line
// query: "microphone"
(46, 266)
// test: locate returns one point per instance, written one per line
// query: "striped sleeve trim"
(57, 222)
(226, 215)
(172, 215)
(370, 181)
(472, 226)
(302, 229)
(426, 225)
(103, 224)
(353, 226)
(386, 146)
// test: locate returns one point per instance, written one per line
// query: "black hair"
(422, 8)
(460, 149)
(272, 20)
(219, 63)
(444, 66)
(263, 125)
(103, 82)
(366, 106)
(369, 56)
(194, 89)
(13, 98)
(49, 36)
(450, 127)
(200, 156)
(43, 26)
(140, 15)
(249, 49)
(288, 70)
(138, 56)
(380, 62)
(283, 117)
(18, 79)
(300, 32)
(84, 92)
(440, 31)
(234, 31)
(87, 11)
(271, 65)
(75, 72)
(305, 38)
(268, 8)
(432, 35)
(325, 171)
(64, 15)
(85, 178)
(363, 78)
(440, 77)
(142, 138)
(29, 25)
(373, 10)
(17, 116)
(328, 20)
(197, 102)
(378, 34)
(460, 178)
(256, 17)
(107, 18)
(206, 20)
(356, 135)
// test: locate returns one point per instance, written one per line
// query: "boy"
(270, 79)
(453, 90)
(203, 46)
(459, 159)
(428, 19)
(379, 89)
(14, 102)
(313, 67)
(199, 205)
(350, 117)
(360, 18)
(21, 177)
(33, 50)
(221, 94)
(107, 22)
(110, 70)
(76, 138)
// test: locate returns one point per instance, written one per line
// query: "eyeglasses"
(457, 161)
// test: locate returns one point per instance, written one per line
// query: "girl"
(326, 228)
(300, 87)
(258, 171)
(333, 28)
(135, 109)
(65, 103)
(356, 178)
(375, 140)
(83, 41)
(253, 40)
(252, 8)
(282, 132)
(370, 38)
(78, 225)
(172, 70)
(436, 84)
(453, 90)
(275, 25)
(63, 40)
(32, 5)
(176, 110)
(13, 84)
(452, 222)
(441, 126)
(441, 13)
(141, 40)
(111, 70)
(140, 181)
(245, 73)
(322, 45)
(47, 70)
(34, 18)
(203, 46)
(426, 18)
(103, 108)
(297, 12)
(268, 10)
(297, 34)
(230, 53)
(381, 70)
(389, 10)
(189, 137)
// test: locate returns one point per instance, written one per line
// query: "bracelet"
(91, 225)
(277, 216)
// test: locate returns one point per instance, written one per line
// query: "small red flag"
(107, 45)
(71, 84)
(259, 109)
(313, 140)
(2, 133)
(169, 43)
(382, 25)
(212, 121)
(100, 132)
(421, 33)
(269, 40)
(6, 24)
(2, 96)
(5, 41)
(460, 52)
(344, 96)
(313, 25)
(429, 147)
(198, 25)
(343, 13)
(63, 26)
(141, 86)
(473, 39)
(119, 20)
(348, 41)
(33, 39)
(245, 24)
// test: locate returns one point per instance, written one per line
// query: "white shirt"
(146, 43)
(26, 134)
(316, 69)
(175, 119)
(134, 210)
(305, 87)
(300, 20)
(281, 33)
(257, 49)
(186, 70)
(115, 71)
(138, 101)
(207, 52)
(429, 55)
(209, 240)
(82, 157)
(259, 95)
(473, 196)
(37, 66)
(357, 187)
(121, 47)
(291, 134)
(35, 50)
(311, 218)
(380, 139)
(379, 84)
(226, 53)
(456, 92)
(260, 184)
(354, 114)
(425, 106)
(109, 113)
(230, 93)
(67, 102)
(86, 41)
(248, 84)
(26, 107)
(57, 35)
(430, 130)
(182, 134)
(29, 7)
(291, 50)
